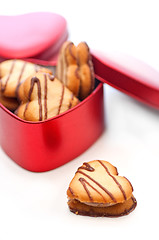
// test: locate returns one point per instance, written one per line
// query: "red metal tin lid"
(39, 34)
(129, 75)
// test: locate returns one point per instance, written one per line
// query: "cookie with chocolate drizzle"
(43, 96)
(98, 191)
(75, 69)
(12, 73)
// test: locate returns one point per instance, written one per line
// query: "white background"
(34, 205)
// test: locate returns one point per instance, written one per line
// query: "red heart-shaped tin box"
(45, 145)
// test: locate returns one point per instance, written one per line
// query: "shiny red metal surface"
(129, 75)
(42, 146)
(37, 34)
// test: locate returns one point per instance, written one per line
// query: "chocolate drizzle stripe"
(90, 64)
(65, 65)
(11, 70)
(69, 48)
(130, 184)
(45, 96)
(33, 81)
(70, 105)
(61, 100)
(70, 45)
(61, 69)
(17, 91)
(118, 184)
(71, 191)
(99, 185)
(77, 74)
(91, 68)
(84, 182)
(87, 167)
(91, 73)
(20, 75)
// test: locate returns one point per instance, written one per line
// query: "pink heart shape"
(31, 34)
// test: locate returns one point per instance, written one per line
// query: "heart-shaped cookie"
(75, 68)
(97, 190)
(43, 96)
(12, 72)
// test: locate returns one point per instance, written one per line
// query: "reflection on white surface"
(34, 205)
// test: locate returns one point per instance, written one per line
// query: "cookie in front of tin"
(98, 191)
(43, 96)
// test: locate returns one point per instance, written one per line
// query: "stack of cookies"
(98, 191)
(34, 94)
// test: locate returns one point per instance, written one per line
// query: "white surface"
(34, 205)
